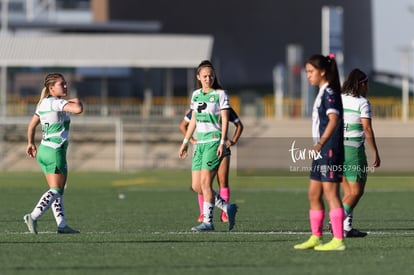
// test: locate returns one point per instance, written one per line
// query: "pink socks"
(316, 221)
(337, 222)
(336, 217)
(225, 194)
(200, 203)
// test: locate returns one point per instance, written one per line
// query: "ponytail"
(43, 94)
(332, 74)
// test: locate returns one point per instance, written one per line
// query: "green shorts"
(52, 161)
(355, 164)
(205, 156)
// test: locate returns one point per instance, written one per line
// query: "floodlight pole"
(405, 85)
(3, 73)
(4, 16)
(3, 78)
(278, 90)
(332, 34)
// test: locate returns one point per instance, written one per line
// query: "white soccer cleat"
(31, 224)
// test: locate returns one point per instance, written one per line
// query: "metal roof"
(105, 50)
(113, 26)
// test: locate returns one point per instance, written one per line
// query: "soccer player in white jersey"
(224, 167)
(357, 129)
(210, 106)
(52, 113)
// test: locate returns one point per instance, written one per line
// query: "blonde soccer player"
(53, 114)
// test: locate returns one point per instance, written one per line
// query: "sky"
(393, 24)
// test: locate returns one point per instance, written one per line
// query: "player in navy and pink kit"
(327, 165)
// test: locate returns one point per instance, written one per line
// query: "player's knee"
(196, 188)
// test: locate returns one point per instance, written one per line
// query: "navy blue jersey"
(329, 166)
(327, 102)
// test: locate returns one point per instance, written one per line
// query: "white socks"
(348, 222)
(59, 211)
(220, 202)
(44, 203)
(208, 208)
(51, 198)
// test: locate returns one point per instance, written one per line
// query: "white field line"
(132, 189)
(252, 233)
(372, 233)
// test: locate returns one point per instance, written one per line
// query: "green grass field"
(148, 232)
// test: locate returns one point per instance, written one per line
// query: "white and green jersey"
(55, 122)
(355, 108)
(207, 109)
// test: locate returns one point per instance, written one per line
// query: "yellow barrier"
(382, 107)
